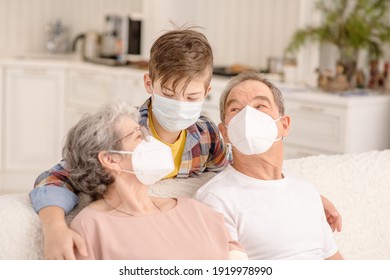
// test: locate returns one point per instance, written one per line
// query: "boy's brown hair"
(181, 55)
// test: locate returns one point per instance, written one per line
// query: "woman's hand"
(332, 215)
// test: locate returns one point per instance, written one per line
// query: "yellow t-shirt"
(177, 148)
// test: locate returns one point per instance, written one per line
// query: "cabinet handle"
(311, 109)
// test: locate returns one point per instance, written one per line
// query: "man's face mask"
(252, 131)
(175, 115)
(151, 160)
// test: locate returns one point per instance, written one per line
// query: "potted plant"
(350, 25)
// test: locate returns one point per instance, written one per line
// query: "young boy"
(180, 71)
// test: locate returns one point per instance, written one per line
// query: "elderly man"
(273, 214)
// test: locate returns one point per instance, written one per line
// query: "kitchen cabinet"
(33, 117)
(325, 123)
(87, 90)
(130, 86)
(1, 120)
(40, 100)
(210, 107)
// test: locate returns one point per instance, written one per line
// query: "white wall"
(22, 22)
(245, 32)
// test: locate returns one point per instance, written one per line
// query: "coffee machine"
(121, 37)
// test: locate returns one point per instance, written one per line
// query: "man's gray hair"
(254, 76)
(92, 134)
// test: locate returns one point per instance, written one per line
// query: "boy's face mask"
(151, 160)
(252, 131)
(175, 115)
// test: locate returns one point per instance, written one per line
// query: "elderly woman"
(113, 160)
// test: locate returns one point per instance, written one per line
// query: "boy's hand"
(60, 242)
(332, 215)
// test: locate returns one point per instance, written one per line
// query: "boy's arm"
(220, 154)
(53, 188)
(332, 215)
(336, 256)
(52, 198)
(59, 240)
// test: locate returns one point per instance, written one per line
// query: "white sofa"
(359, 185)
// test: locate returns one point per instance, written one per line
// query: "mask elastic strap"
(128, 171)
(277, 139)
(121, 152)
(281, 137)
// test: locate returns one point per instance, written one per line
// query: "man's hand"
(332, 215)
(59, 241)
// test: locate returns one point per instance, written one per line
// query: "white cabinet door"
(316, 126)
(130, 87)
(33, 117)
(211, 104)
(1, 120)
(87, 91)
(322, 123)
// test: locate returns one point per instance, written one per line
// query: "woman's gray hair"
(92, 134)
(254, 76)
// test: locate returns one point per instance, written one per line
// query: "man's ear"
(148, 83)
(223, 129)
(285, 121)
(108, 161)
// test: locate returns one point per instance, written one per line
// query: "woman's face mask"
(151, 160)
(252, 131)
(174, 115)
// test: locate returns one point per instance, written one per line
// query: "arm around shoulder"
(219, 152)
(53, 188)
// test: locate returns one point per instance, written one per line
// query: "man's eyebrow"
(263, 98)
(231, 101)
(257, 97)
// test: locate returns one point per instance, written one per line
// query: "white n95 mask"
(175, 115)
(252, 131)
(151, 160)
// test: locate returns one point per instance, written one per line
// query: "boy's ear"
(148, 83)
(208, 91)
(108, 161)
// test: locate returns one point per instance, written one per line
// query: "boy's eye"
(168, 94)
(193, 98)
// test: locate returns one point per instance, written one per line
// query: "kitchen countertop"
(62, 61)
(75, 61)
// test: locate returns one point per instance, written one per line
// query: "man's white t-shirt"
(272, 219)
